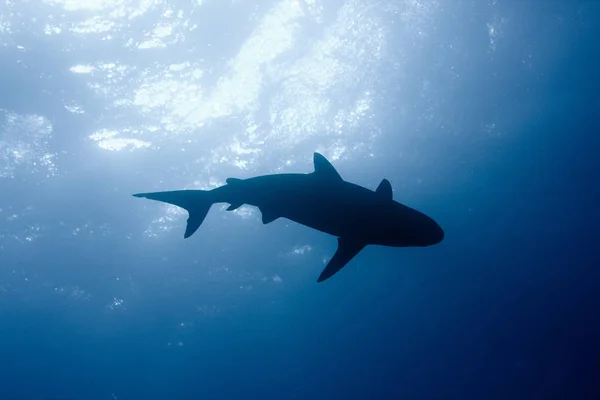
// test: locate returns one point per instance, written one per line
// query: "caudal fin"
(196, 202)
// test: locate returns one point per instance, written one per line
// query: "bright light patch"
(116, 7)
(29, 234)
(24, 145)
(4, 25)
(52, 29)
(115, 304)
(245, 212)
(74, 292)
(93, 25)
(183, 103)
(495, 31)
(89, 5)
(300, 250)
(175, 98)
(117, 144)
(109, 14)
(75, 109)
(81, 69)
(108, 140)
(165, 223)
(157, 37)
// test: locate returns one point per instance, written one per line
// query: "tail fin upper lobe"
(196, 202)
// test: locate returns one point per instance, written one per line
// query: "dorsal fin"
(385, 189)
(324, 168)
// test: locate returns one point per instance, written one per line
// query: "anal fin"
(234, 206)
(268, 216)
(346, 250)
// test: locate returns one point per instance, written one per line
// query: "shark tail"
(196, 202)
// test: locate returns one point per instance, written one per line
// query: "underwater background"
(482, 114)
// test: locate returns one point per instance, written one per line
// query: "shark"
(320, 200)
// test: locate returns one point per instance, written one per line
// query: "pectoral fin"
(346, 250)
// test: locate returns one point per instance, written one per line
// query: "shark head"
(424, 232)
(401, 226)
(429, 232)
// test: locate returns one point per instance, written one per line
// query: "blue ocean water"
(482, 114)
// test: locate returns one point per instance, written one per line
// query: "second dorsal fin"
(384, 190)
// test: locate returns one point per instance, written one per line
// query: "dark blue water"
(482, 114)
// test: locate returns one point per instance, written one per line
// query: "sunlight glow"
(301, 92)
(301, 77)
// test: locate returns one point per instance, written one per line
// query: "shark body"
(321, 200)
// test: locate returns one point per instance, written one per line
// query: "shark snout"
(438, 234)
(432, 232)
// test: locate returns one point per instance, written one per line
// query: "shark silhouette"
(321, 200)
